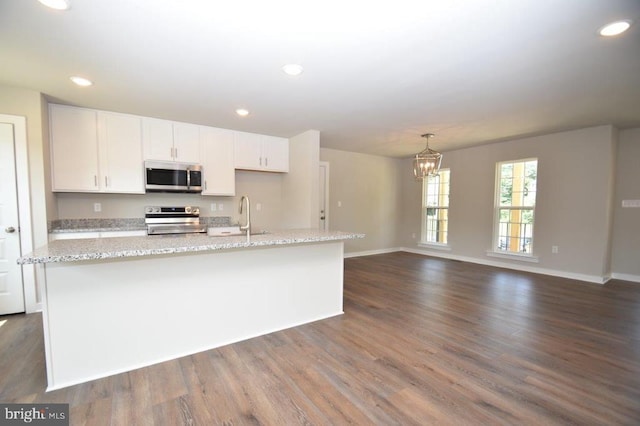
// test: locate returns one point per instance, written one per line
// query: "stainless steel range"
(173, 220)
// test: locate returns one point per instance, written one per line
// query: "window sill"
(513, 256)
(435, 246)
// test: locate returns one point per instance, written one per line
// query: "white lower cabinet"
(216, 154)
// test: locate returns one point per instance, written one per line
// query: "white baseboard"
(626, 277)
(525, 268)
(372, 252)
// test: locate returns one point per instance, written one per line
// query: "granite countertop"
(118, 247)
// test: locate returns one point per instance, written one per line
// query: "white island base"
(103, 317)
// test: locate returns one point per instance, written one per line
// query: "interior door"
(11, 287)
(323, 180)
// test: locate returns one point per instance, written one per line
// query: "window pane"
(515, 230)
(436, 225)
(435, 212)
(516, 199)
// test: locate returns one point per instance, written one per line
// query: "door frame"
(21, 158)
(325, 164)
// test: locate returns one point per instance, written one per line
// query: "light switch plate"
(630, 203)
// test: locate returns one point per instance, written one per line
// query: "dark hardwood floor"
(422, 341)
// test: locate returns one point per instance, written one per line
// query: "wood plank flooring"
(422, 341)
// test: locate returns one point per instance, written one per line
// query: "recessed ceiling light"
(81, 81)
(293, 69)
(615, 28)
(242, 112)
(56, 4)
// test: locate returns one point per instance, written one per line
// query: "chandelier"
(427, 163)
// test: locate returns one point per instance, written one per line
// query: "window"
(515, 205)
(435, 208)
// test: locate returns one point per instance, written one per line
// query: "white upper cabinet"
(95, 151)
(275, 152)
(120, 144)
(186, 142)
(170, 141)
(216, 154)
(157, 137)
(260, 152)
(74, 149)
(248, 151)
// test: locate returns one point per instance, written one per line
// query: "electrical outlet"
(339, 203)
(259, 206)
(97, 207)
(221, 207)
(213, 207)
(554, 249)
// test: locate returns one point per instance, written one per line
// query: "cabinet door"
(216, 154)
(186, 142)
(120, 142)
(74, 149)
(248, 151)
(275, 154)
(157, 136)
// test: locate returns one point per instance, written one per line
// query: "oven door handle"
(188, 178)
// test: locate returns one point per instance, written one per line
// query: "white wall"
(573, 206)
(300, 197)
(626, 223)
(367, 186)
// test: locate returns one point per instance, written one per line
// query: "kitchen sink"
(231, 231)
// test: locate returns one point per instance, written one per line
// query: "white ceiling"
(377, 74)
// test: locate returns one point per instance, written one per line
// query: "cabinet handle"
(95, 180)
(205, 185)
(260, 161)
(106, 182)
(176, 150)
(266, 161)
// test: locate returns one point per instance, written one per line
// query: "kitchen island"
(112, 305)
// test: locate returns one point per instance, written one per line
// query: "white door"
(11, 289)
(323, 182)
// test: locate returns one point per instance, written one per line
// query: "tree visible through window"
(435, 208)
(515, 205)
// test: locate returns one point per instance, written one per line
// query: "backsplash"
(126, 224)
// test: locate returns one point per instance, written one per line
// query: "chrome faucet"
(247, 226)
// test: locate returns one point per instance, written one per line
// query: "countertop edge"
(212, 244)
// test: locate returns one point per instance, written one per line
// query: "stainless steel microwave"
(163, 176)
